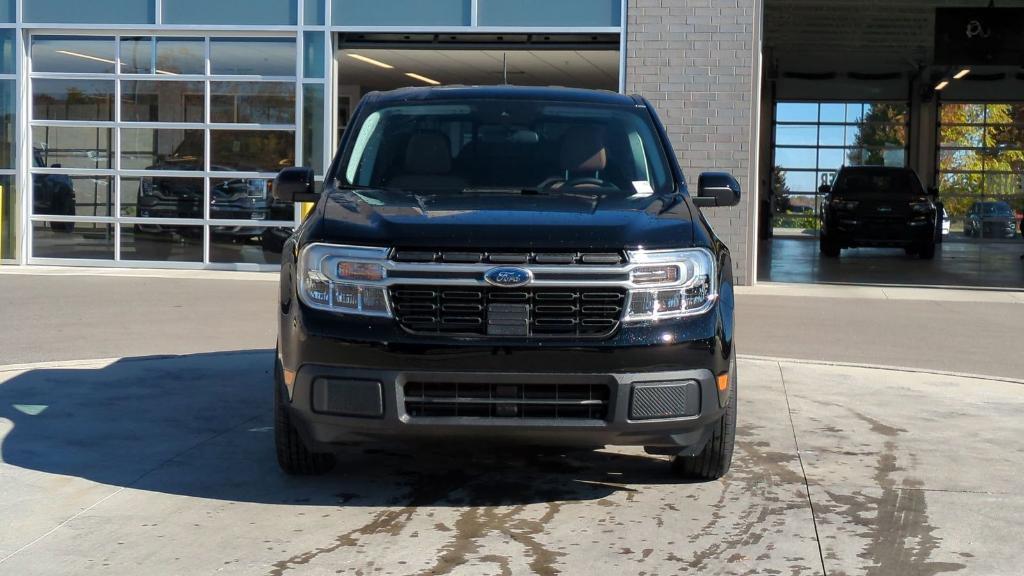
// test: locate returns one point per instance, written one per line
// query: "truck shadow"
(201, 426)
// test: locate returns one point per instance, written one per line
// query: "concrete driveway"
(166, 466)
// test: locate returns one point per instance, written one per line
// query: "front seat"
(427, 165)
(584, 156)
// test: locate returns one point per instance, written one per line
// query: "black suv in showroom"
(990, 220)
(879, 206)
(506, 264)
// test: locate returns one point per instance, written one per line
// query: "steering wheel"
(574, 183)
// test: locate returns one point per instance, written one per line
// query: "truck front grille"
(523, 312)
(524, 401)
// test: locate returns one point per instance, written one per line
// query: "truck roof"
(554, 93)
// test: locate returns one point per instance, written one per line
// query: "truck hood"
(488, 220)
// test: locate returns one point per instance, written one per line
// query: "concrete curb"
(908, 369)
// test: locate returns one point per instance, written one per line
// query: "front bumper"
(858, 231)
(319, 347)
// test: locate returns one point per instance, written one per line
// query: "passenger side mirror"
(55, 166)
(295, 185)
(717, 189)
(933, 191)
(824, 189)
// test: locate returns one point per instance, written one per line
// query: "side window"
(364, 152)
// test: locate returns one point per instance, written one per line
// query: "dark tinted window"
(897, 182)
(487, 145)
(996, 209)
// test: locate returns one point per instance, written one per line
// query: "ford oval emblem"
(508, 277)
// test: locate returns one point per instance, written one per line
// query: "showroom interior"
(896, 84)
(145, 133)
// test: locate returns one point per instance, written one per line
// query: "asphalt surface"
(64, 317)
(166, 466)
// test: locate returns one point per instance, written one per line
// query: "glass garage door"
(161, 149)
(981, 168)
(812, 140)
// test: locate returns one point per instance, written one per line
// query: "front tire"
(293, 456)
(715, 459)
(927, 251)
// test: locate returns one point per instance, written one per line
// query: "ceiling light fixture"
(430, 81)
(377, 63)
(959, 75)
(942, 85)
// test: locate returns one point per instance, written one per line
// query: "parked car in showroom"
(990, 220)
(879, 206)
(506, 264)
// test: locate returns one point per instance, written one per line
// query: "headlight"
(344, 279)
(683, 284)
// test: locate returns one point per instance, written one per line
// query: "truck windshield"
(880, 182)
(495, 146)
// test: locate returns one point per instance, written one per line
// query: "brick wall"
(693, 59)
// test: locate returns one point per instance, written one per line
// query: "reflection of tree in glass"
(982, 156)
(884, 125)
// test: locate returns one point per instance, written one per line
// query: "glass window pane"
(1005, 136)
(8, 217)
(249, 245)
(961, 184)
(313, 127)
(892, 112)
(65, 195)
(162, 197)
(401, 12)
(246, 199)
(796, 112)
(962, 113)
(180, 56)
(7, 11)
(137, 55)
(832, 158)
(252, 151)
(546, 13)
(8, 107)
(161, 101)
(80, 240)
(73, 99)
(92, 54)
(252, 102)
(161, 149)
(95, 12)
(798, 181)
(854, 112)
(872, 134)
(231, 12)
(796, 157)
(161, 243)
(961, 136)
(313, 55)
(960, 160)
(831, 112)
(71, 147)
(796, 135)
(8, 46)
(832, 135)
(313, 12)
(252, 56)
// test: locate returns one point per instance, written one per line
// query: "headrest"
(428, 153)
(583, 149)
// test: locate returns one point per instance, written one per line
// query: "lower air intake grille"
(524, 401)
(533, 312)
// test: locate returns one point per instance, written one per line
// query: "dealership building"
(144, 133)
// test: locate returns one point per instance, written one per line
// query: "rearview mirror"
(717, 189)
(294, 185)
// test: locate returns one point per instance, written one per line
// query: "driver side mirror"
(933, 192)
(717, 189)
(824, 189)
(295, 185)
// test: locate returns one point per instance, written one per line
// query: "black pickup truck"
(510, 265)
